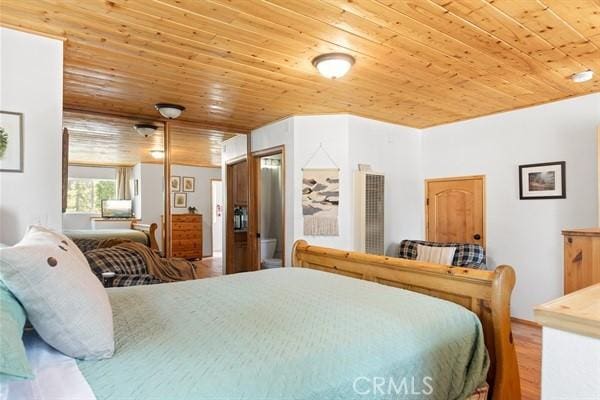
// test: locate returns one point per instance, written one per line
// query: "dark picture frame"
(177, 196)
(175, 184)
(20, 136)
(185, 181)
(543, 181)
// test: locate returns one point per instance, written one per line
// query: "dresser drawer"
(186, 226)
(186, 218)
(187, 244)
(187, 235)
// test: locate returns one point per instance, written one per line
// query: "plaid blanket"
(127, 264)
(467, 254)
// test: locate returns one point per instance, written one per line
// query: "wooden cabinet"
(240, 184)
(240, 251)
(581, 258)
(186, 236)
(236, 243)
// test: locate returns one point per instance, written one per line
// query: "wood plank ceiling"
(238, 64)
(96, 139)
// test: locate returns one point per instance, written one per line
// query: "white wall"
(31, 74)
(200, 198)
(83, 220)
(394, 150)
(149, 203)
(349, 140)
(525, 233)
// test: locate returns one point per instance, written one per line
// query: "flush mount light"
(333, 65)
(584, 76)
(145, 129)
(157, 154)
(170, 111)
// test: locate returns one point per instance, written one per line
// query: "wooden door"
(455, 209)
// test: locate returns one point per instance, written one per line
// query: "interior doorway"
(269, 208)
(216, 193)
(455, 210)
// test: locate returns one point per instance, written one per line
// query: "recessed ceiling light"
(158, 154)
(145, 129)
(584, 76)
(333, 65)
(170, 111)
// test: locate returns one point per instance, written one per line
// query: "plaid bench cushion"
(128, 265)
(467, 254)
(86, 245)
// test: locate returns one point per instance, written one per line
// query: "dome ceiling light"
(145, 130)
(584, 76)
(169, 111)
(157, 154)
(333, 65)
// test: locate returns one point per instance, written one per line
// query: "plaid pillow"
(467, 254)
(127, 264)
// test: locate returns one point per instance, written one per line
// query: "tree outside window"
(86, 195)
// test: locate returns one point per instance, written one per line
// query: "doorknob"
(477, 236)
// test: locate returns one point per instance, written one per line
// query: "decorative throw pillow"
(13, 360)
(435, 254)
(65, 302)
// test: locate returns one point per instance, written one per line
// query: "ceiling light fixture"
(584, 76)
(145, 129)
(157, 154)
(170, 111)
(333, 65)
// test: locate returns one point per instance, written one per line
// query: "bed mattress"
(288, 333)
(100, 234)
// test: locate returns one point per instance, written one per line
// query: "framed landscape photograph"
(543, 181)
(189, 184)
(180, 200)
(11, 141)
(175, 184)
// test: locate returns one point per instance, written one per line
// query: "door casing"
(254, 204)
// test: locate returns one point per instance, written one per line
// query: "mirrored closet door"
(114, 179)
(196, 204)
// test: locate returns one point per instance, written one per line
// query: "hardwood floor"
(209, 267)
(528, 343)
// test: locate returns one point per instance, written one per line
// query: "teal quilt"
(287, 333)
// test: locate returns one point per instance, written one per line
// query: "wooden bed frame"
(148, 229)
(486, 293)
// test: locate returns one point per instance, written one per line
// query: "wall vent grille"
(370, 197)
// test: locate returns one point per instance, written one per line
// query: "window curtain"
(123, 183)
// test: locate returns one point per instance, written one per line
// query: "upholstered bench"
(467, 255)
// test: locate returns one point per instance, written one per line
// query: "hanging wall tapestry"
(320, 201)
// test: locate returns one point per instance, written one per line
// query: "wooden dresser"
(581, 259)
(187, 236)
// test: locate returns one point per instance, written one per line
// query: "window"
(86, 195)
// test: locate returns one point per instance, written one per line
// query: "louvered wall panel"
(369, 212)
(374, 214)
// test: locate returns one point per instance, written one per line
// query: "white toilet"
(267, 251)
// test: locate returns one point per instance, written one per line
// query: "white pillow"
(65, 302)
(435, 254)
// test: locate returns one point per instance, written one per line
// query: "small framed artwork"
(543, 181)
(180, 200)
(11, 141)
(189, 184)
(175, 184)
